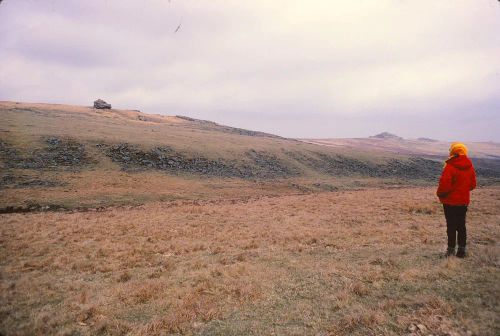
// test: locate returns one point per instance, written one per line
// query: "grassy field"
(119, 222)
(365, 262)
(103, 188)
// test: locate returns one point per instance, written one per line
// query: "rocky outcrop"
(386, 135)
(259, 165)
(101, 104)
(165, 158)
(489, 168)
(427, 139)
(270, 165)
(413, 168)
(340, 165)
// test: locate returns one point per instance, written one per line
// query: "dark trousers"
(455, 223)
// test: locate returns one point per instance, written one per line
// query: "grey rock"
(101, 104)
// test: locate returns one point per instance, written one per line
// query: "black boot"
(461, 252)
(449, 252)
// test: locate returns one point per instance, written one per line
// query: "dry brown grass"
(27, 122)
(343, 263)
(102, 188)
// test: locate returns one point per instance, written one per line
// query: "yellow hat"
(458, 148)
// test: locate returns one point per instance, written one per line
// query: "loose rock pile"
(165, 158)
(270, 166)
(487, 167)
(339, 165)
(411, 169)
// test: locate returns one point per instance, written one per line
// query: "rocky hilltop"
(386, 135)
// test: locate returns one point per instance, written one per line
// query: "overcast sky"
(294, 68)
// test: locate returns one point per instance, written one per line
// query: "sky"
(304, 69)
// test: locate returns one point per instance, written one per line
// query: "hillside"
(425, 147)
(60, 156)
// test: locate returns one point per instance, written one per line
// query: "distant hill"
(424, 147)
(386, 135)
(427, 139)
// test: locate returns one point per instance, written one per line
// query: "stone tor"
(101, 104)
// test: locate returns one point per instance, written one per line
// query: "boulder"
(101, 104)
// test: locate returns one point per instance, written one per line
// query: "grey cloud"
(311, 69)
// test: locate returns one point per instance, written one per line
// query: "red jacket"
(457, 180)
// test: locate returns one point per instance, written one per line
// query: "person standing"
(457, 180)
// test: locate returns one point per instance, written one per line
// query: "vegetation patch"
(20, 181)
(57, 153)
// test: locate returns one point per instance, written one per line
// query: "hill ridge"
(386, 135)
(80, 154)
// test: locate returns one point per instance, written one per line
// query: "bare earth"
(364, 262)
